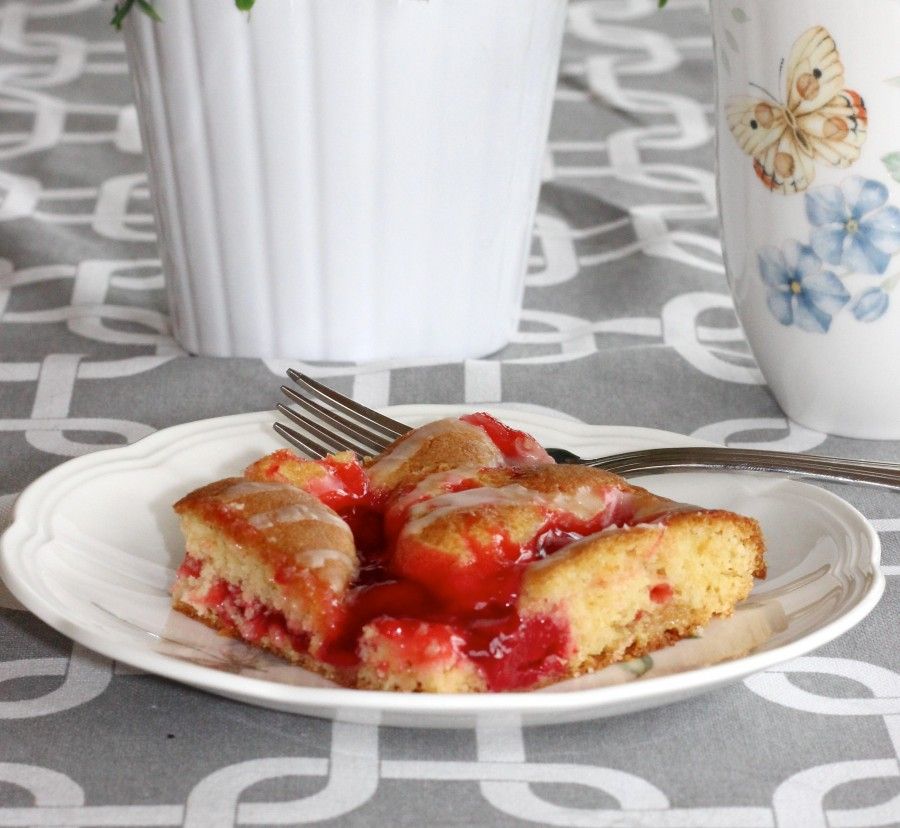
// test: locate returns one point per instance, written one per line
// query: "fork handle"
(872, 472)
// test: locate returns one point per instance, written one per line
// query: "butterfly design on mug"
(820, 122)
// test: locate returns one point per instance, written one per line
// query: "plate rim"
(447, 707)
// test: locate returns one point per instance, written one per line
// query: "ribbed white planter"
(345, 179)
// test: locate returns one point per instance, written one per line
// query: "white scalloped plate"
(95, 544)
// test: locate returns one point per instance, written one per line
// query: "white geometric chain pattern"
(502, 771)
(117, 208)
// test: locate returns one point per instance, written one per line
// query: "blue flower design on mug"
(853, 237)
(870, 304)
(853, 227)
(799, 290)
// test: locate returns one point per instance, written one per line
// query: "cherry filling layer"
(510, 652)
(248, 619)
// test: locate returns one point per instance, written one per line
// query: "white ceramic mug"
(808, 171)
(339, 180)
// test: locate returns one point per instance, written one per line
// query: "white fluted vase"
(345, 179)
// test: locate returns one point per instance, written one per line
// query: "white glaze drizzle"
(422, 514)
(585, 502)
(246, 487)
(387, 464)
(293, 513)
(332, 565)
(317, 558)
(434, 484)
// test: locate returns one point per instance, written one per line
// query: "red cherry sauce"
(436, 605)
(475, 604)
(250, 620)
(342, 485)
(516, 446)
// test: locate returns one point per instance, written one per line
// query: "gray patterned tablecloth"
(627, 321)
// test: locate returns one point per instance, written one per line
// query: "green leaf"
(723, 56)
(891, 282)
(119, 12)
(662, 3)
(121, 9)
(148, 9)
(732, 42)
(739, 15)
(892, 162)
(639, 666)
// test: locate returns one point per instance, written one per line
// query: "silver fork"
(340, 423)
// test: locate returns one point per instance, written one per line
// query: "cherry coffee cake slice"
(460, 559)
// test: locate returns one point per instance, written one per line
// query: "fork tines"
(338, 422)
(296, 439)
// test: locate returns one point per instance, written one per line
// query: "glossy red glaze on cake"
(516, 446)
(476, 602)
(440, 560)
(340, 480)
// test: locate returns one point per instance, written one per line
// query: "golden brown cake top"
(438, 446)
(471, 442)
(282, 524)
